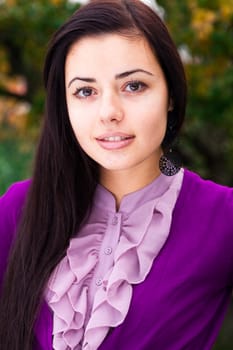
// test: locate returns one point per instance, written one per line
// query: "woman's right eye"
(83, 92)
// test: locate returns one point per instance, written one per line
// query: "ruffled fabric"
(143, 233)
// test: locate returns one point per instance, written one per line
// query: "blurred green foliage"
(202, 29)
(25, 29)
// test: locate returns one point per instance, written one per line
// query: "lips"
(115, 138)
(115, 141)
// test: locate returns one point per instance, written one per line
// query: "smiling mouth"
(115, 138)
(115, 142)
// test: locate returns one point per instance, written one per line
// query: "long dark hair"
(64, 177)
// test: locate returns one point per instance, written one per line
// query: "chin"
(114, 166)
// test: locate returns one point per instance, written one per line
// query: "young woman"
(111, 245)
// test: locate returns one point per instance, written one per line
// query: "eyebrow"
(117, 76)
(127, 73)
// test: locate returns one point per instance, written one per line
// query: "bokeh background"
(203, 32)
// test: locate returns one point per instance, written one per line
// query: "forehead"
(110, 51)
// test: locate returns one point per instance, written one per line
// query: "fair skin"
(117, 100)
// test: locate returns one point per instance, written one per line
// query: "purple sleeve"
(11, 204)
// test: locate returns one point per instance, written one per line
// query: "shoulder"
(11, 205)
(202, 231)
(206, 193)
(205, 208)
(204, 214)
(204, 204)
(15, 194)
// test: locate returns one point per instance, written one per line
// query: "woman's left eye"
(135, 86)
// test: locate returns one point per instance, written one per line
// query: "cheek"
(78, 120)
(153, 109)
(83, 131)
(153, 130)
(156, 122)
(80, 130)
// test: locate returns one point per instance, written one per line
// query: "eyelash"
(138, 83)
(78, 90)
(140, 87)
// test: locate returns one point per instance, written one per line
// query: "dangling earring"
(169, 163)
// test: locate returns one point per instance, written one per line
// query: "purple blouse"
(91, 288)
(183, 299)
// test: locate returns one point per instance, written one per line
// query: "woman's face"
(117, 100)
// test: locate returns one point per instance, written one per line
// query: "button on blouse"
(108, 250)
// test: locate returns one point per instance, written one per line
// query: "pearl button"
(108, 250)
(98, 281)
(115, 220)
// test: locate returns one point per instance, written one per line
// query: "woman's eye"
(135, 86)
(84, 92)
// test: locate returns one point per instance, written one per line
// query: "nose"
(111, 109)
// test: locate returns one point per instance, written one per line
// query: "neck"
(122, 182)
